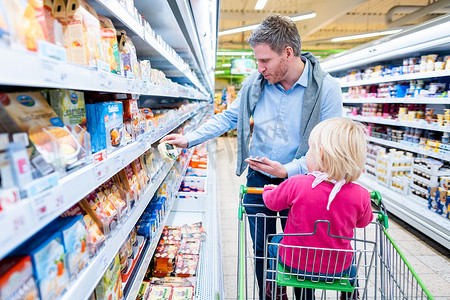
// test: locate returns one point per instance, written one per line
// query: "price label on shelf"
(47, 203)
(130, 85)
(15, 222)
(101, 171)
(119, 162)
(52, 71)
(104, 71)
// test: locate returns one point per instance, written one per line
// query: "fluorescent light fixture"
(231, 53)
(365, 35)
(295, 18)
(220, 72)
(260, 4)
(303, 16)
(238, 29)
(226, 65)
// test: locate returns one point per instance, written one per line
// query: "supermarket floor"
(433, 267)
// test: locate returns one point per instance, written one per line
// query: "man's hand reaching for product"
(178, 140)
(268, 166)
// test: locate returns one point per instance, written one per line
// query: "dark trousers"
(260, 227)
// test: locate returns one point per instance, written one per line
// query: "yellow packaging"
(110, 47)
(83, 33)
(27, 20)
(21, 112)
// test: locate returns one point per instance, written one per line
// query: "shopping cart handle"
(251, 190)
(376, 196)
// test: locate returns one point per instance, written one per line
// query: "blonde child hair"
(339, 147)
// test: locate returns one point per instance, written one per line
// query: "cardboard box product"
(105, 124)
(83, 33)
(110, 46)
(16, 279)
(49, 268)
(69, 105)
(59, 11)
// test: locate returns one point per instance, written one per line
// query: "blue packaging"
(49, 264)
(105, 124)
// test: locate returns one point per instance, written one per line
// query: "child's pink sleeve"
(366, 215)
(277, 198)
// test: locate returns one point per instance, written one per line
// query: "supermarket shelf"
(85, 180)
(379, 120)
(416, 100)
(414, 149)
(132, 291)
(86, 282)
(405, 77)
(412, 211)
(44, 72)
(146, 45)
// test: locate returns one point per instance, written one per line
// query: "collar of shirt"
(303, 80)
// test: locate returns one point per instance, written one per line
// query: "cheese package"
(110, 286)
(144, 291)
(22, 112)
(69, 105)
(49, 267)
(130, 180)
(16, 279)
(24, 16)
(83, 33)
(109, 44)
(128, 56)
(105, 124)
(59, 11)
(183, 293)
(29, 112)
(74, 240)
(160, 292)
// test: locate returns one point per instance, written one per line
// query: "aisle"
(432, 267)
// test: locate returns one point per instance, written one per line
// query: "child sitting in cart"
(336, 158)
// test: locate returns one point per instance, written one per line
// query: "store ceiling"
(334, 18)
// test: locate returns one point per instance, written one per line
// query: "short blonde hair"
(339, 147)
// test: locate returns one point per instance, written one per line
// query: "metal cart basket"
(374, 269)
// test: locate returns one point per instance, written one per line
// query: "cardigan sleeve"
(278, 198)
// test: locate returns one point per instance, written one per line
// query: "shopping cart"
(379, 269)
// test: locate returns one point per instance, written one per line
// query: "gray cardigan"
(250, 95)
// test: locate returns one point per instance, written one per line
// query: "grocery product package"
(27, 20)
(83, 33)
(30, 113)
(49, 267)
(74, 240)
(110, 46)
(110, 286)
(128, 56)
(69, 105)
(16, 279)
(105, 125)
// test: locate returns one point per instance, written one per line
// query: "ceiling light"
(295, 18)
(220, 72)
(226, 65)
(231, 53)
(260, 4)
(365, 35)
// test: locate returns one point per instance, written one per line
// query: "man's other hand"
(178, 140)
(268, 166)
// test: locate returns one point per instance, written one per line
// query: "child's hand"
(270, 185)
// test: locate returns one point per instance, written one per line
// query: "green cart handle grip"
(376, 196)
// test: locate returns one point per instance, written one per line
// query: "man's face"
(270, 64)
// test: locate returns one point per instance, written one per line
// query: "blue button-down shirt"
(277, 119)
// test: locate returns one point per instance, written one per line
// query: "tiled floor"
(432, 267)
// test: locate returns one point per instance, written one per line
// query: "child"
(336, 157)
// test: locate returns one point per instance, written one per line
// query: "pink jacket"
(350, 209)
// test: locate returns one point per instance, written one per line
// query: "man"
(287, 97)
